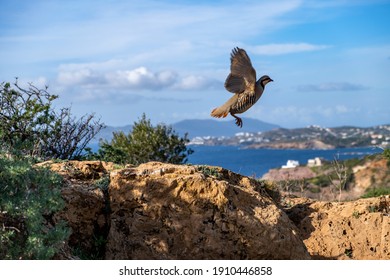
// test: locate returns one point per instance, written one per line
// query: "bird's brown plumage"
(242, 82)
(242, 77)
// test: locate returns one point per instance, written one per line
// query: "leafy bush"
(29, 198)
(30, 127)
(321, 181)
(374, 192)
(145, 143)
(209, 171)
(24, 116)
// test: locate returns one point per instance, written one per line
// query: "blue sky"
(330, 60)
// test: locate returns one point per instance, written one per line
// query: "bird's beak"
(271, 80)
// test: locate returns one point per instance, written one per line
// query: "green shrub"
(29, 198)
(374, 192)
(321, 181)
(209, 171)
(145, 143)
(356, 214)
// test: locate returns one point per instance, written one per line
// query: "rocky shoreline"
(306, 145)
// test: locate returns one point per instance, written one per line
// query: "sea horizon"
(257, 162)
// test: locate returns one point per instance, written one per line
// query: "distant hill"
(216, 128)
(199, 128)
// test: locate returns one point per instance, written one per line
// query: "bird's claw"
(239, 122)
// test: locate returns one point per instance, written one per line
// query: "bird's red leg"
(238, 120)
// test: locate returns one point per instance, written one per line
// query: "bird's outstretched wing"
(242, 77)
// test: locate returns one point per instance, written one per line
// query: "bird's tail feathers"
(220, 112)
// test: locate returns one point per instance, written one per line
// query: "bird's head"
(265, 80)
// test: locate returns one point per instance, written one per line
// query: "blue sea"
(257, 162)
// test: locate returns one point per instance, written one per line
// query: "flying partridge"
(242, 82)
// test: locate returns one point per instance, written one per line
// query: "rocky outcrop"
(295, 173)
(79, 171)
(86, 206)
(343, 230)
(371, 173)
(304, 145)
(165, 211)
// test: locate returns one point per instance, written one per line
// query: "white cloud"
(78, 77)
(279, 49)
(194, 82)
(140, 78)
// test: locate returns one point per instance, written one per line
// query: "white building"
(291, 164)
(314, 162)
(196, 141)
